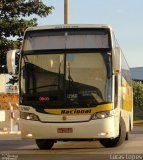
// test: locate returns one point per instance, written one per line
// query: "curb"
(138, 123)
(10, 133)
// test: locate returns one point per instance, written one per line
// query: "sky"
(125, 17)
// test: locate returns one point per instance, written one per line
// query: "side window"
(125, 70)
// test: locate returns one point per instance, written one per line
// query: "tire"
(116, 141)
(46, 144)
(127, 136)
(127, 133)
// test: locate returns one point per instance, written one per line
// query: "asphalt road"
(13, 148)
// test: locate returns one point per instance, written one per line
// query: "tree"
(138, 95)
(13, 22)
(138, 100)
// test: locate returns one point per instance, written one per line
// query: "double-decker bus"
(74, 84)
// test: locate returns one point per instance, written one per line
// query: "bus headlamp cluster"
(29, 116)
(102, 115)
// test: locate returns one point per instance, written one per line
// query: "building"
(137, 74)
(9, 112)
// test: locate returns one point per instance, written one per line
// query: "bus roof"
(64, 26)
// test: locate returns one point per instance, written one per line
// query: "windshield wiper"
(59, 77)
(69, 75)
(29, 75)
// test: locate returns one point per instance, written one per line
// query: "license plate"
(65, 130)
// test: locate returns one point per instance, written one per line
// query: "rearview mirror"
(11, 61)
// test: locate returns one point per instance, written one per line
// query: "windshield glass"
(93, 38)
(69, 79)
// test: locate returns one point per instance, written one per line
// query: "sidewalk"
(8, 136)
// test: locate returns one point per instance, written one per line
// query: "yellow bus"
(74, 84)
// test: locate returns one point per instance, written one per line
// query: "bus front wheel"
(45, 143)
(116, 141)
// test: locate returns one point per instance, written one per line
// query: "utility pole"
(66, 11)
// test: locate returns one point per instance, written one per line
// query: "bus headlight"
(101, 115)
(29, 116)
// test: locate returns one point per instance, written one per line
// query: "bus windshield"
(66, 79)
(71, 39)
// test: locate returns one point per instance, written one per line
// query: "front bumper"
(93, 129)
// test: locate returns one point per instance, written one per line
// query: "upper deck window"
(67, 39)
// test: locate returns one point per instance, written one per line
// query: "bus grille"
(64, 118)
